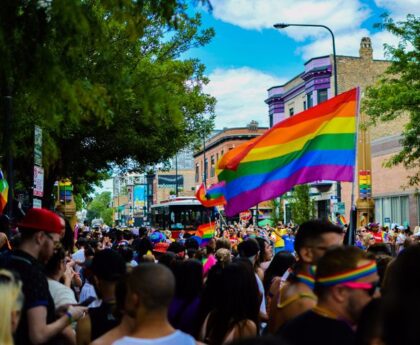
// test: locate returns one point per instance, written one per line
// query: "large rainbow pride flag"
(317, 144)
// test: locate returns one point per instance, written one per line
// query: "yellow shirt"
(278, 233)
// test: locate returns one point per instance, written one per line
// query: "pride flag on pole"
(4, 190)
(212, 197)
(206, 232)
(317, 144)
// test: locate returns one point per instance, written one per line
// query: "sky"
(247, 55)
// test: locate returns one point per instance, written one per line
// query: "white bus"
(181, 213)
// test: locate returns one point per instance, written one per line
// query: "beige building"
(166, 184)
(314, 85)
(216, 146)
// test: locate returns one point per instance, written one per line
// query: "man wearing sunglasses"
(346, 281)
(40, 232)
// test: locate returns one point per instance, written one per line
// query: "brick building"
(315, 85)
(217, 145)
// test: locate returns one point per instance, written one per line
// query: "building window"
(271, 120)
(212, 166)
(304, 105)
(223, 152)
(206, 171)
(291, 112)
(197, 173)
(322, 95)
(309, 100)
(390, 210)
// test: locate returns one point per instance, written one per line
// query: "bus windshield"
(181, 217)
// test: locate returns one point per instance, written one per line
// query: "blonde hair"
(11, 300)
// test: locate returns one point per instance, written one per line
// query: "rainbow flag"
(212, 197)
(317, 144)
(206, 232)
(341, 220)
(4, 190)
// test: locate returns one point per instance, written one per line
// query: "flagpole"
(353, 217)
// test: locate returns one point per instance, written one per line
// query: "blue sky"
(247, 55)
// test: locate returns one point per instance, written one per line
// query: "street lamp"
(283, 26)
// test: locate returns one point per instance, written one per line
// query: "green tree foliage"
(398, 92)
(277, 211)
(99, 207)
(302, 206)
(105, 80)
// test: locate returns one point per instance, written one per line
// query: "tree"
(276, 211)
(302, 206)
(106, 82)
(99, 207)
(398, 92)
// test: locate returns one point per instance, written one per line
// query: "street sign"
(245, 216)
(36, 203)
(38, 181)
(340, 208)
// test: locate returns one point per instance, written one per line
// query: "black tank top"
(102, 320)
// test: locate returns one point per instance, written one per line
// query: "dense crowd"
(246, 285)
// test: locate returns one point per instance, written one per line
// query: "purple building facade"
(313, 86)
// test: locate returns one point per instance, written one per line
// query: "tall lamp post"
(283, 26)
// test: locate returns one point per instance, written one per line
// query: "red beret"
(40, 219)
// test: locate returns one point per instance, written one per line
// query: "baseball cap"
(157, 237)
(41, 219)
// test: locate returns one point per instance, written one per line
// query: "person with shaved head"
(150, 290)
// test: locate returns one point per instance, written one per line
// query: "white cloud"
(346, 44)
(399, 8)
(344, 17)
(260, 14)
(378, 40)
(240, 94)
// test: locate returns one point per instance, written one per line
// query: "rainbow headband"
(348, 276)
(307, 278)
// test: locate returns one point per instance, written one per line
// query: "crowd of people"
(285, 285)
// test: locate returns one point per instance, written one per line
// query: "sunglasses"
(370, 288)
(57, 244)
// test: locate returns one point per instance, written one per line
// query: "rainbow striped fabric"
(212, 197)
(317, 144)
(348, 276)
(341, 220)
(4, 190)
(206, 232)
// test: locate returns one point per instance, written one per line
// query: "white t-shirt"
(176, 338)
(61, 294)
(80, 257)
(89, 291)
